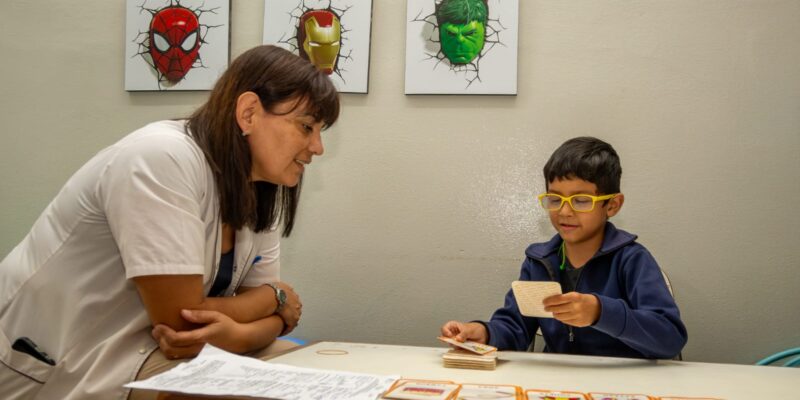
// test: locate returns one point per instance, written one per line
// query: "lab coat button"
(142, 350)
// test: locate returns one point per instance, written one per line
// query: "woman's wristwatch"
(280, 296)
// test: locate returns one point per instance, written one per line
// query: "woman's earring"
(245, 133)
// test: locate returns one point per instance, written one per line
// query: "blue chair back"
(793, 356)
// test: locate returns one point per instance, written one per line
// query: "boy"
(615, 301)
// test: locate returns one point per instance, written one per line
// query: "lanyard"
(224, 275)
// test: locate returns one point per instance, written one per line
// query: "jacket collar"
(613, 239)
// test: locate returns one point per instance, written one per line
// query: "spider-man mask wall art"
(174, 41)
(176, 44)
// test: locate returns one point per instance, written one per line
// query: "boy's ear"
(246, 107)
(614, 205)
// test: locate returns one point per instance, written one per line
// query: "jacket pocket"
(27, 366)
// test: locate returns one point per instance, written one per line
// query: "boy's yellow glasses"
(578, 202)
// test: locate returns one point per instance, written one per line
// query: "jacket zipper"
(569, 327)
(549, 270)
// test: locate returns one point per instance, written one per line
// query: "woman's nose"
(316, 147)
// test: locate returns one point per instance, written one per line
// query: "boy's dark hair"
(587, 158)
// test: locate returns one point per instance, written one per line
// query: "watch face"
(281, 296)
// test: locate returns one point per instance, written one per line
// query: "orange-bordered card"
(420, 389)
(535, 394)
(471, 391)
(619, 396)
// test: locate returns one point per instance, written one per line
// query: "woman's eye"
(308, 128)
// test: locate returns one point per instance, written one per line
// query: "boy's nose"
(566, 209)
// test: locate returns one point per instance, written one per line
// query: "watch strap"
(280, 296)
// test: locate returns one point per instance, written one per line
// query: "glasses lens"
(551, 202)
(582, 203)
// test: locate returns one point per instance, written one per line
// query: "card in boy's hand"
(531, 294)
(475, 347)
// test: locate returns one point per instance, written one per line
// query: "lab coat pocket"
(20, 371)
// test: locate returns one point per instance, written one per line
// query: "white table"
(560, 372)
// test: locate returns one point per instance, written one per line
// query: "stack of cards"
(471, 355)
(457, 358)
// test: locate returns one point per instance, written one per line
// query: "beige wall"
(422, 206)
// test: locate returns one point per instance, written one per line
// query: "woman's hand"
(292, 308)
(218, 329)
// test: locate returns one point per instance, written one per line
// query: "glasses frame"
(568, 199)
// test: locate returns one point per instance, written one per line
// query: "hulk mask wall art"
(462, 29)
(461, 46)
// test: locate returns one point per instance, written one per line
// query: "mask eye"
(313, 44)
(160, 42)
(189, 42)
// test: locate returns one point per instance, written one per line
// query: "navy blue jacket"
(638, 316)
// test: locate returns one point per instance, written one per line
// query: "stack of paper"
(457, 358)
(215, 372)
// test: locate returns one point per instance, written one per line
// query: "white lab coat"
(146, 205)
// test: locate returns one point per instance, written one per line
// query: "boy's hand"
(462, 332)
(573, 308)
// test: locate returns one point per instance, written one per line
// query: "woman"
(137, 260)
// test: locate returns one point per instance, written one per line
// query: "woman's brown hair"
(275, 75)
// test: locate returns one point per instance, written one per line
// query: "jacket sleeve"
(150, 193)
(649, 321)
(508, 329)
